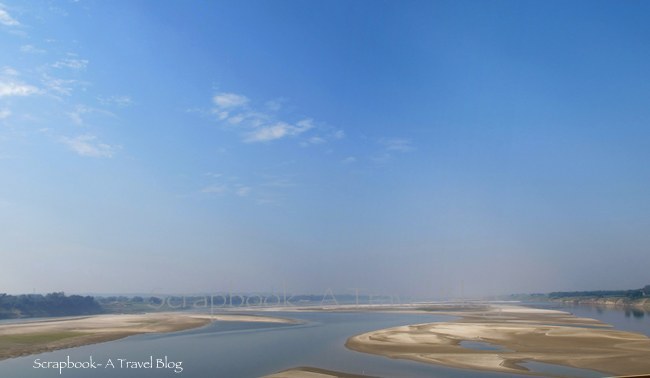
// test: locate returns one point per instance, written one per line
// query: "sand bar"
(311, 372)
(522, 334)
(31, 337)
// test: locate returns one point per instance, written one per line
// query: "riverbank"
(32, 337)
(642, 303)
(514, 335)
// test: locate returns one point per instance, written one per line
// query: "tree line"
(52, 304)
(631, 294)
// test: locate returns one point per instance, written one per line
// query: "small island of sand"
(311, 372)
(520, 335)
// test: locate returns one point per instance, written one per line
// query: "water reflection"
(637, 313)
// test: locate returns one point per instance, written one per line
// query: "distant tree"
(635, 294)
(154, 300)
(52, 304)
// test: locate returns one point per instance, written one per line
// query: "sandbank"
(32, 337)
(311, 372)
(522, 334)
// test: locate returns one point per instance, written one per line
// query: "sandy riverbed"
(310, 372)
(31, 337)
(523, 334)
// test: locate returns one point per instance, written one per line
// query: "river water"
(237, 349)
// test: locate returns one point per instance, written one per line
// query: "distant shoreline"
(33, 337)
(643, 303)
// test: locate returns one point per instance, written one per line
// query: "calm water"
(236, 349)
(626, 319)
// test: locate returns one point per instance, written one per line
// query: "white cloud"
(349, 160)
(234, 111)
(6, 19)
(87, 145)
(59, 86)
(121, 101)
(9, 71)
(305, 124)
(274, 105)
(5, 113)
(268, 133)
(313, 140)
(76, 118)
(75, 64)
(225, 185)
(397, 144)
(229, 100)
(31, 49)
(243, 191)
(277, 131)
(77, 115)
(8, 88)
(221, 115)
(215, 189)
(236, 119)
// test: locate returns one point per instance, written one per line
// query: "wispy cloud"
(229, 100)
(225, 103)
(349, 160)
(59, 86)
(31, 49)
(77, 115)
(215, 189)
(265, 189)
(120, 101)
(275, 105)
(6, 19)
(278, 131)
(235, 111)
(5, 113)
(225, 185)
(11, 88)
(397, 144)
(243, 191)
(88, 145)
(9, 71)
(75, 64)
(323, 138)
(316, 140)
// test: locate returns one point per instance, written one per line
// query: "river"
(238, 349)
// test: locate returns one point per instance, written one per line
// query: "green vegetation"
(36, 338)
(133, 305)
(58, 304)
(627, 294)
(53, 304)
(623, 297)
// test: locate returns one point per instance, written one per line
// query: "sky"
(424, 148)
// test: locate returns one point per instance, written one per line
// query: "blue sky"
(398, 147)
